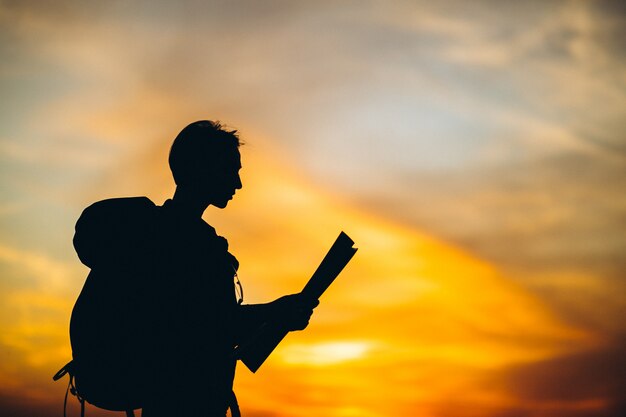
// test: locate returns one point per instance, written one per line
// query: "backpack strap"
(61, 372)
(71, 388)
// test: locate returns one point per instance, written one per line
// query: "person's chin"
(222, 203)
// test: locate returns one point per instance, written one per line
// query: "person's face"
(225, 179)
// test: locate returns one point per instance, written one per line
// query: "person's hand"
(293, 311)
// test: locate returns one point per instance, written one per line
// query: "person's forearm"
(291, 312)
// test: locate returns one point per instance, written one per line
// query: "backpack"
(106, 347)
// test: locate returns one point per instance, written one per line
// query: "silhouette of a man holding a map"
(160, 323)
(176, 302)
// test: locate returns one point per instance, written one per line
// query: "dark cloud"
(613, 15)
(593, 376)
(612, 7)
(18, 406)
(584, 384)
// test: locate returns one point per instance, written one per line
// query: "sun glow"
(327, 353)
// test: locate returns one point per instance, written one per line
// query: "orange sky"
(474, 154)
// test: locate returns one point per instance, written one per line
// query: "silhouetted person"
(164, 280)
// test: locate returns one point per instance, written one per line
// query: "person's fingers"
(300, 325)
(300, 320)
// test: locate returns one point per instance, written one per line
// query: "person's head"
(205, 161)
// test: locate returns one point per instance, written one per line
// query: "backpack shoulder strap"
(71, 388)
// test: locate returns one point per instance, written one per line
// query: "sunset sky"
(474, 150)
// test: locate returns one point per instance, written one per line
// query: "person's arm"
(292, 312)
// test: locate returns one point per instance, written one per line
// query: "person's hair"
(199, 145)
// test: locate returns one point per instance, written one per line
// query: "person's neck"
(188, 204)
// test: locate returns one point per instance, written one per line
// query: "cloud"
(590, 382)
(43, 270)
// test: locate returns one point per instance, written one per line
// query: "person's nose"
(238, 184)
